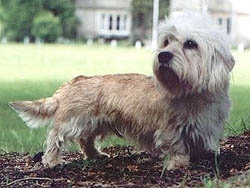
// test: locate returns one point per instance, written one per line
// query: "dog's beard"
(169, 78)
(173, 85)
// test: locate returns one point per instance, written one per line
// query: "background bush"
(47, 27)
(18, 17)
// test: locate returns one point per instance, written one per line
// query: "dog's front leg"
(173, 147)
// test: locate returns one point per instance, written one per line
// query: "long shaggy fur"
(180, 111)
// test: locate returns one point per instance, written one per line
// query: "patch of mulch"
(127, 168)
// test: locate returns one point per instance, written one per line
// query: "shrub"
(47, 27)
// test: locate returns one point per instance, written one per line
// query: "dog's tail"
(36, 113)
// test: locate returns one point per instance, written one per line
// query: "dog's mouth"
(168, 77)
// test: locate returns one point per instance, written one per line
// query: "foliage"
(64, 9)
(47, 27)
(17, 16)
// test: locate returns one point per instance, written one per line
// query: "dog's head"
(193, 55)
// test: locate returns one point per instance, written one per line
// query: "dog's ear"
(229, 62)
(226, 56)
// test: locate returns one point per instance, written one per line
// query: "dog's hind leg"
(91, 150)
(92, 130)
(62, 132)
(52, 154)
(88, 147)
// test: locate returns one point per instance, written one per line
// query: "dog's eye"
(190, 44)
(165, 43)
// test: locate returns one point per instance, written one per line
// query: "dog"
(178, 112)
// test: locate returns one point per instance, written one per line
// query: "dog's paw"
(51, 162)
(38, 157)
(97, 155)
(102, 155)
(178, 161)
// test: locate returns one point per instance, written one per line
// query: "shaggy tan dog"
(179, 112)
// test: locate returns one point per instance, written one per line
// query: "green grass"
(29, 72)
(240, 93)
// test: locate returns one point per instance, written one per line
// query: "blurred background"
(130, 21)
(44, 43)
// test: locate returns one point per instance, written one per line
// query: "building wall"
(241, 22)
(177, 6)
(241, 29)
(86, 23)
(104, 18)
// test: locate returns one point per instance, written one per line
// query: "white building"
(111, 19)
(106, 19)
(241, 22)
(232, 15)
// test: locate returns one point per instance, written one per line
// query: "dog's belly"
(140, 135)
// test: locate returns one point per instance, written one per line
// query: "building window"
(118, 23)
(110, 22)
(220, 21)
(228, 25)
(102, 21)
(124, 22)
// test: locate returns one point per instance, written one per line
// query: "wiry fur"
(179, 112)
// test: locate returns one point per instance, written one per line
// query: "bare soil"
(127, 168)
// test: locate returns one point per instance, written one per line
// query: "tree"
(65, 10)
(142, 11)
(18, 17)
(47, 27)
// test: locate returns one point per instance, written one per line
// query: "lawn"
(29, 72)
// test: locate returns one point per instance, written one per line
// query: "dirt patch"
(125, 168)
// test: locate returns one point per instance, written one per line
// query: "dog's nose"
(165, 57)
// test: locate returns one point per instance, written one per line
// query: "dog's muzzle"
(165, 58)
(166, 74)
